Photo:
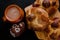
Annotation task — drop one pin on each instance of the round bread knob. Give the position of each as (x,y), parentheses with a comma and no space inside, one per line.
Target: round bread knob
(46,3)
(13,13)
(55,24)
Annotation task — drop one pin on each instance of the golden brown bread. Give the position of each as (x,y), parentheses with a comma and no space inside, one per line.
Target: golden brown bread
(37,18)
(51,32)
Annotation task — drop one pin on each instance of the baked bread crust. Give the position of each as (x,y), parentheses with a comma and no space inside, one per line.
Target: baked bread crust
(37,18)
(51,32)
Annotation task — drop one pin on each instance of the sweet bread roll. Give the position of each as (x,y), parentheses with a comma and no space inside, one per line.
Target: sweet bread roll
(43,32)
(37,18)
